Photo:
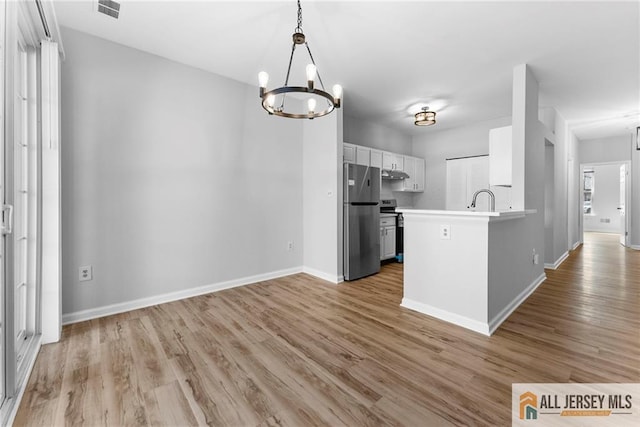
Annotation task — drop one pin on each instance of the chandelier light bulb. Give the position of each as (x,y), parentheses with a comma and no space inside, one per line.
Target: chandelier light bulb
(311,75)
(263,79)
(337,91)
(311,103)
(311,72)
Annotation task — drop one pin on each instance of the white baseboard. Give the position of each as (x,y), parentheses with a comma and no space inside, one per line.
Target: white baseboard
(575,245)
(447,316)
(635,247)
(333,278)
(510,308)
(107,310)
(475,325)
(559,261)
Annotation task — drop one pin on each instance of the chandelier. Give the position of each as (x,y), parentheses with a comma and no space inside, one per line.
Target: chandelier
(425,117)
(273,101)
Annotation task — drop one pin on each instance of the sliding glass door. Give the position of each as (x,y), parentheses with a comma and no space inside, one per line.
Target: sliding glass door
(23,229)
(19,195)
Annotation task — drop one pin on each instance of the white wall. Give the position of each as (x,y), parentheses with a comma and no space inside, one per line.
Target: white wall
(172,177)
(322,198)
(603,150)
(560,205)
(512,273)
(436,147)
(549,203)
(605,200)
(635,196)
(574,208)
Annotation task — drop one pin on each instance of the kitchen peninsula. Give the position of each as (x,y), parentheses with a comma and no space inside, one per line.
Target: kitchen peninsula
(461,267)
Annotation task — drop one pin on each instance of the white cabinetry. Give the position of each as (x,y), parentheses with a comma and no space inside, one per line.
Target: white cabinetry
(387,237)
(375,158)
(348,153)
(415,168)
(357,154)
(392,161)
(500,161)
(362,155)
(419,174)
(464,177)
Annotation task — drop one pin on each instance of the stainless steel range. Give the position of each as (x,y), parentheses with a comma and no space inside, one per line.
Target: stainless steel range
(388,206)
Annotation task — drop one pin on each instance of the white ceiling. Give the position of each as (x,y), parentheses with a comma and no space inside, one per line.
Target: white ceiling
(456,56)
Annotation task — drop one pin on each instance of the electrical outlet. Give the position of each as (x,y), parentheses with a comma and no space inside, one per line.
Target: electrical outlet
(85,273)
(289,246)
(535,258)
(445,232)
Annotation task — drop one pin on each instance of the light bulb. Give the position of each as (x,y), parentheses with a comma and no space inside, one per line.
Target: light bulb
(311,72)
(263,79)
(311,103)
(270,100)
(337,91)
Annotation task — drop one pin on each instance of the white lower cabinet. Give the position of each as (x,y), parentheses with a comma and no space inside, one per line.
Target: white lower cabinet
(387,238)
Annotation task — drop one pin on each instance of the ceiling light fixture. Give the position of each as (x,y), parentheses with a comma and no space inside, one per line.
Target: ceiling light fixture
(425,117)
(270,97)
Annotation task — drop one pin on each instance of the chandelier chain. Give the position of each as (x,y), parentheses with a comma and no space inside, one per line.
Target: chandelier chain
(299,27)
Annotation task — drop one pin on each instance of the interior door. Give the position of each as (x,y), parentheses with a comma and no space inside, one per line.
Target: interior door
(622,205)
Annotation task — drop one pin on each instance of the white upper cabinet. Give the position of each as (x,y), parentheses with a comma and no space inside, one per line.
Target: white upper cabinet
(409,165)
(419,174)
(392,161)
(415,168)
(500,161)
(362,155)
(375,158)
(348,153)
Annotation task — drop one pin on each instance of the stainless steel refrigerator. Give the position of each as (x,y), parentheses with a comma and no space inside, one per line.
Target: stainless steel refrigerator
(361,221)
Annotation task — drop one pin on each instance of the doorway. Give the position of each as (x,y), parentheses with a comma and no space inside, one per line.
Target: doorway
(605,194)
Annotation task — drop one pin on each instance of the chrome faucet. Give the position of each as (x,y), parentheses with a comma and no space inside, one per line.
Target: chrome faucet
(492,199)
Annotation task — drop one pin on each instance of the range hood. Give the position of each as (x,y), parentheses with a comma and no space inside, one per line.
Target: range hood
(391,174)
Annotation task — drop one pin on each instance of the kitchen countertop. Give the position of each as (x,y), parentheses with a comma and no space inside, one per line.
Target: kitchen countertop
(499,214)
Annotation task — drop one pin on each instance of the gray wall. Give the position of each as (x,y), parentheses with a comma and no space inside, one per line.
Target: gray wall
(602,150)
(374,135)
(172,177)
(436,147)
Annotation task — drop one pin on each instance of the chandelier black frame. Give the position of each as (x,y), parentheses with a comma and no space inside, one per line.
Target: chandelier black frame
(269,97)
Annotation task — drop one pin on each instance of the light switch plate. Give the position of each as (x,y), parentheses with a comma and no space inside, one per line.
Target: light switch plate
(445,232)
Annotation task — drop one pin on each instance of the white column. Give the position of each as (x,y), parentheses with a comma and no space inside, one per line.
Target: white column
(51,262)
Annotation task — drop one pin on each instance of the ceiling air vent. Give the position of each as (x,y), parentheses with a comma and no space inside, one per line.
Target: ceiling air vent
(109,8)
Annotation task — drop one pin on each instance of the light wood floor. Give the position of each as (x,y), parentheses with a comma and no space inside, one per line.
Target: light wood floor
(297,351)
